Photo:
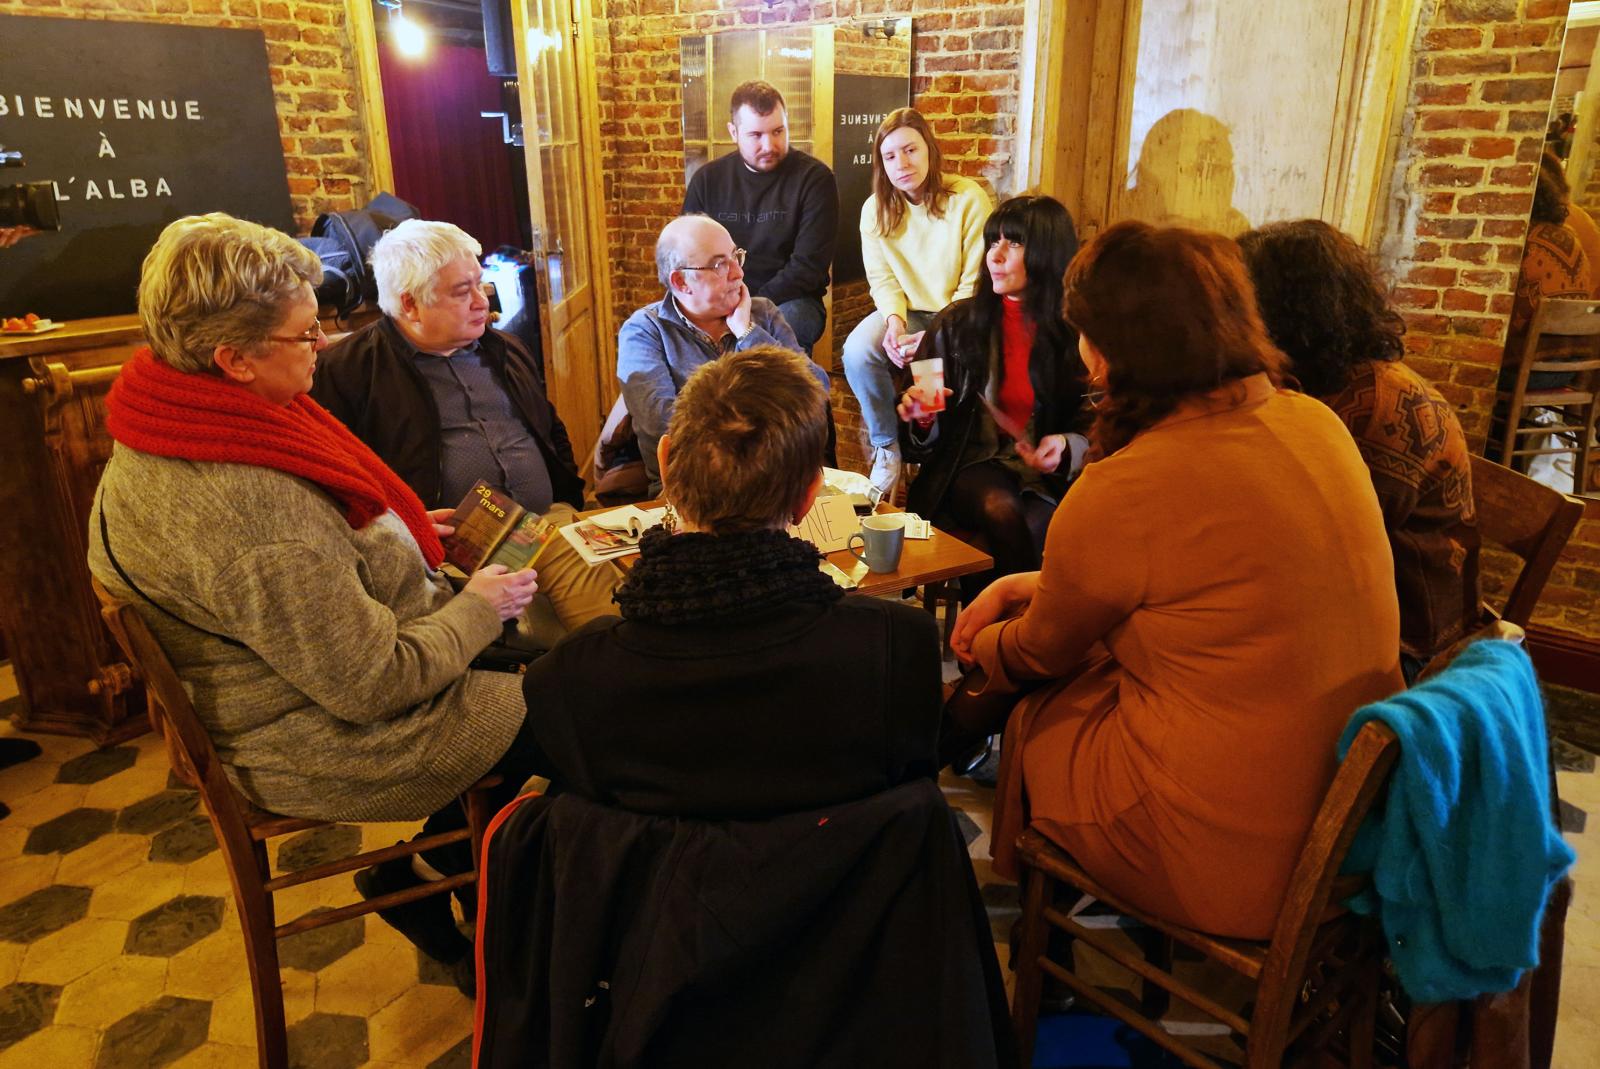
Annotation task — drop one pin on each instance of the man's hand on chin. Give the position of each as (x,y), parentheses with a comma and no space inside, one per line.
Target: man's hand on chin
(739,320)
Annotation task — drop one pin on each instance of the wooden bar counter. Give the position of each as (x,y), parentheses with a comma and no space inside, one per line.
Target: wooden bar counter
(53,446)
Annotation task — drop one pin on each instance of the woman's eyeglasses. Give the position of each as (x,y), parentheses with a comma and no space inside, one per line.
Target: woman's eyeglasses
(310,337)
(721,265)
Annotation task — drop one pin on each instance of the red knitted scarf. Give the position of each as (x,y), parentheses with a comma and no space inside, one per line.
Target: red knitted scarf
(157,409)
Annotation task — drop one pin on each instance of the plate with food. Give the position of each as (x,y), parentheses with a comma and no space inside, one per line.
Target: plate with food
(28,324)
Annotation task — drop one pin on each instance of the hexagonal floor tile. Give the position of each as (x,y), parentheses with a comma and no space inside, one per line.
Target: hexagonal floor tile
(159,1033)
(51,909)
(317,846)
(457,1057)
(136,891)
(111,991)
(328,1041)
(321,947)
(61,957)
(420,1025)
(72,829)
(187,840)
(157,812)
(104,859)
(24,1009)
(366,980)
(96,765)
(173,925)
(57,1045)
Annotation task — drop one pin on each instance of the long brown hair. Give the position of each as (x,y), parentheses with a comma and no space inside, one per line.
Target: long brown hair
(1173,313)
(933,192)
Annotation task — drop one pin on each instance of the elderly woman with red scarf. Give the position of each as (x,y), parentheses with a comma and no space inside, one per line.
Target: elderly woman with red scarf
(289,575)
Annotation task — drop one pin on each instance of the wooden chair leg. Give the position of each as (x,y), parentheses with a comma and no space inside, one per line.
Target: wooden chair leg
(256,918)
(1029,987)
(1154,1000)
(1362,1033)
(476,803)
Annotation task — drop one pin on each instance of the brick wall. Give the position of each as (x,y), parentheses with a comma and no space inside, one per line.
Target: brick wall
(1478,105)
(313,79)
(964,79)
(1484,71)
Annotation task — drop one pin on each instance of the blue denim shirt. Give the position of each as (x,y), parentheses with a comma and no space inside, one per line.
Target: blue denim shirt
(658,349)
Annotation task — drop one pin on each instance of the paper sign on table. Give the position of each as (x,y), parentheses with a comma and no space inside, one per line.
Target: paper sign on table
(829,524)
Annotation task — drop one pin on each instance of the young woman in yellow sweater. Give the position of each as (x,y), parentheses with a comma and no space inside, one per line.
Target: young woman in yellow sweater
(922,245)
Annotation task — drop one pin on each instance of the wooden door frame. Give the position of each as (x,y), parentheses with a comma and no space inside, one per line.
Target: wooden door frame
(1077,69)
(369,96)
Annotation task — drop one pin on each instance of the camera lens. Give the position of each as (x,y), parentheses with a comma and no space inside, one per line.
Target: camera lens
(29,204)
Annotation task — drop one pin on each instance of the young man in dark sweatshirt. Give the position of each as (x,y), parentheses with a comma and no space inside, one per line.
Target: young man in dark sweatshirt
(781,206)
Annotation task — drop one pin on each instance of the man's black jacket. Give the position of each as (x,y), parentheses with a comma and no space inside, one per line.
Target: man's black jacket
(369,382)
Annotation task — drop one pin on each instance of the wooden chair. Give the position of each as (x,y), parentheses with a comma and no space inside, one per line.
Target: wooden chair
(1312,979)
(1528,519)
(242,830)
(1576,405)
(1316,976)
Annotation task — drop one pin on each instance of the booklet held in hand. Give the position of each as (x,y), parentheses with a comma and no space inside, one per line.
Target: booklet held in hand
(491,528)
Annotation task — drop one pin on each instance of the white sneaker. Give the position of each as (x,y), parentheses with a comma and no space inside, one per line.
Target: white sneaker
(885,468)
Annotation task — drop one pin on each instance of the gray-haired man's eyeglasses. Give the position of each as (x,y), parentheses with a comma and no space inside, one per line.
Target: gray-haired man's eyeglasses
(721,265)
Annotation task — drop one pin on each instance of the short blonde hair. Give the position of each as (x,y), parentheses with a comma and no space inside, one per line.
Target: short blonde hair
(748,432)
(213,280)
(408,259)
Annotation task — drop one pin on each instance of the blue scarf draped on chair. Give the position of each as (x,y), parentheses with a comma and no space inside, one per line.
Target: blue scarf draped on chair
(1464,853)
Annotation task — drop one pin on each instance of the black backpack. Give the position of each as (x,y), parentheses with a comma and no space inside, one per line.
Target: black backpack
(343,240)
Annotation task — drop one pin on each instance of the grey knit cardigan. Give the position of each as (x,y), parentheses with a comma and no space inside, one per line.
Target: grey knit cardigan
(350,697)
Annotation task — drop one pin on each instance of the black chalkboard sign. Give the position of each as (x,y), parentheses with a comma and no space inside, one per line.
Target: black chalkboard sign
(137,125)
(860,101)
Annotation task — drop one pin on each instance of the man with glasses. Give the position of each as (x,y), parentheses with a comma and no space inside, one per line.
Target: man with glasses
(779,203)
(445,400)
(707,311)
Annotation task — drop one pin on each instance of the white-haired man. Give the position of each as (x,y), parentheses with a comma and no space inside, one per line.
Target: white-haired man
(445,401)
(707,311)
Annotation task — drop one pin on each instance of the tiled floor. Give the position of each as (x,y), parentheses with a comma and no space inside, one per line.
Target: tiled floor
(120,948)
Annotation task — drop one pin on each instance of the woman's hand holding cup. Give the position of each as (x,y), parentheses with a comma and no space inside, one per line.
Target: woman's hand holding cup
(921,406)
(508,593)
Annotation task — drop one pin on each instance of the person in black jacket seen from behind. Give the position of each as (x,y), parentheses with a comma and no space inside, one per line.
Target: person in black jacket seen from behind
(739,681)
(1006,345)
(780,204)
(445,400)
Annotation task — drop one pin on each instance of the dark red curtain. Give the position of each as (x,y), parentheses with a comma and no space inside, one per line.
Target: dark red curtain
(450,162)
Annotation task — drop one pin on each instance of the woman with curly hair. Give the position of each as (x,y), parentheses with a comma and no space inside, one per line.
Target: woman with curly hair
(1324,305)
(1216,599)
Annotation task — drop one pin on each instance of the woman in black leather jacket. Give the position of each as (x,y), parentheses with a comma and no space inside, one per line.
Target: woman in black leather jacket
(1008,347)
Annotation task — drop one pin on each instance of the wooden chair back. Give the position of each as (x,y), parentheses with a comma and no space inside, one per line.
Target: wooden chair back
(242,831)
(189,747)
(1556,317)
(1280,968)
(1559,317)
(1527,519)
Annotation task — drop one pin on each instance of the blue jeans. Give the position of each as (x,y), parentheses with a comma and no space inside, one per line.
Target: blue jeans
(871,375)
(806,317)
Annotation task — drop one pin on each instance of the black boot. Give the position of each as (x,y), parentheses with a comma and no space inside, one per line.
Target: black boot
(427,922)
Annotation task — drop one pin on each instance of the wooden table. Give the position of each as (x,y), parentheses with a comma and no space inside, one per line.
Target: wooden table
(923,561)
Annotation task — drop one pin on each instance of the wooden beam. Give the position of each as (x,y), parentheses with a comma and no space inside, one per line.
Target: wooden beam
(369,97)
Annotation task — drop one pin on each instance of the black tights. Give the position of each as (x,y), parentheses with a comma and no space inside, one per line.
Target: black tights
(987,499)
(969,719)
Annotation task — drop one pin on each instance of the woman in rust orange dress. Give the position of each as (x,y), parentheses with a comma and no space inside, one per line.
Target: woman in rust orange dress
(1217,597)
